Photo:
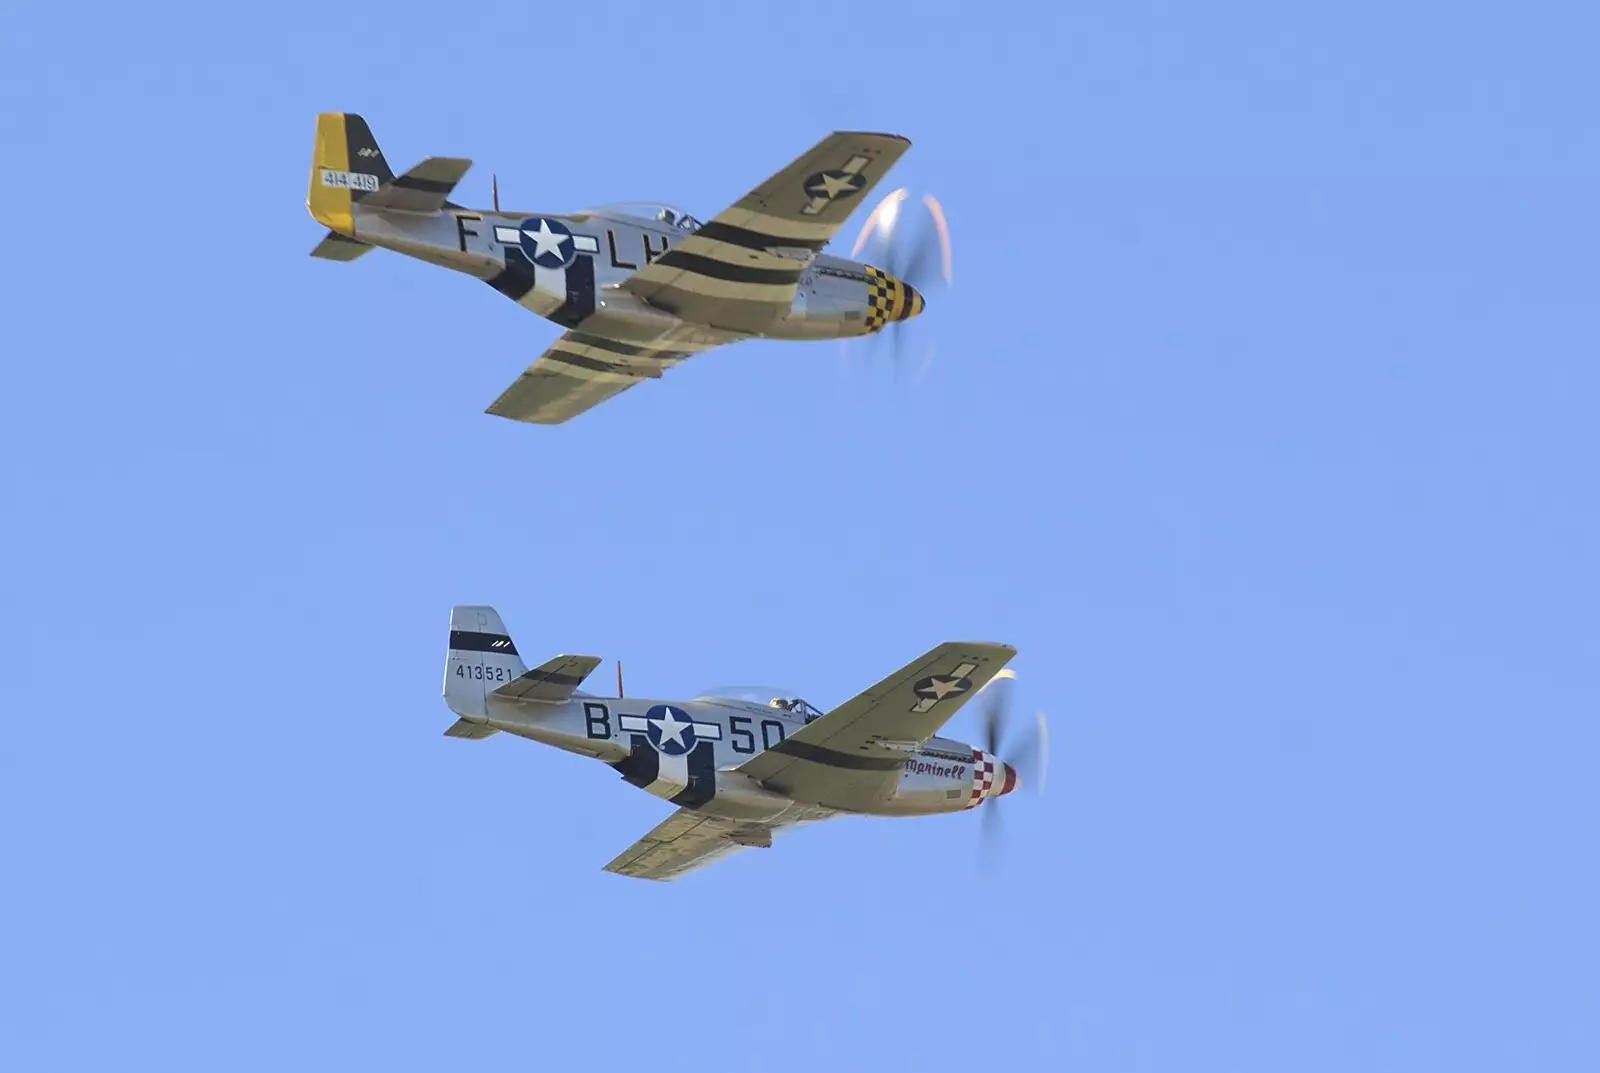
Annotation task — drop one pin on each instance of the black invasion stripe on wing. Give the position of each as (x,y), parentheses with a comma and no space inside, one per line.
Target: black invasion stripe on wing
(426,186)
(627,350)
(554,678)
(755,240)
(715,269)
(583,361)
(821,754)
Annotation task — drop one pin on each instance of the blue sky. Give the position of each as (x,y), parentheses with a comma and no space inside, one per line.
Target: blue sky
(1262,422)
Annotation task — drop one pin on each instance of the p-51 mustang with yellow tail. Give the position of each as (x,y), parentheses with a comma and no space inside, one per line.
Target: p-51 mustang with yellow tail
(741,764)
(638,289)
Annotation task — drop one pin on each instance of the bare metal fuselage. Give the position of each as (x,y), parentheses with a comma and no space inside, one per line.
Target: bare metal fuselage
(938,776)
(830,302)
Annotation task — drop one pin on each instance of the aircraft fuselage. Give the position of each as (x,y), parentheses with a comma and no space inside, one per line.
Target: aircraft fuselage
(579,284)
(687,752)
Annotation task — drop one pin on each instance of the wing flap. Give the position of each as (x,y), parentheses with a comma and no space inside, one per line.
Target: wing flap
(422,189)
(684,842)
(854,755)
(580,370)
(739,271)
(551,682)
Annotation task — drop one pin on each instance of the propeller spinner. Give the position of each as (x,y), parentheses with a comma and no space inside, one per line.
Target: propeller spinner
(914,260)
(1032,752)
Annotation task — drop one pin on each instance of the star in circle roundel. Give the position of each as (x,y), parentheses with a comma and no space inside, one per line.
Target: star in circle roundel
(834,183)
(547,243)
(671,730)
(939,686)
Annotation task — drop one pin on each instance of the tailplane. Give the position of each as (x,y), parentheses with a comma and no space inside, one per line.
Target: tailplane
(484,663)
(348,169)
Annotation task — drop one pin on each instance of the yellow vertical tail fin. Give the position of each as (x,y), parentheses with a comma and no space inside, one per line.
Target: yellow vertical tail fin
(346,166)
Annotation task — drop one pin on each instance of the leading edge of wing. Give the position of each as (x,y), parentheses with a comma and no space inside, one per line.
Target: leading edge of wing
(740,270)
(854,754)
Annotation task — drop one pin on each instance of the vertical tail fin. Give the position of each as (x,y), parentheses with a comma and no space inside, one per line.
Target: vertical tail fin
(346,166)
(482,658)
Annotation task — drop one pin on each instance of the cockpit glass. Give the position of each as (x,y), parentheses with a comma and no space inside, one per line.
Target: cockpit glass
(766,696)
(655,211)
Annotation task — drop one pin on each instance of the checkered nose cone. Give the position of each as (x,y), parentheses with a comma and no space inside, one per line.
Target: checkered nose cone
(890,299)
(914,302)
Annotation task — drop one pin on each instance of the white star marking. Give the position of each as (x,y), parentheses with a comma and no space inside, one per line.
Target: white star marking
(833,185)
(942,689)
(672,728)
(545,240)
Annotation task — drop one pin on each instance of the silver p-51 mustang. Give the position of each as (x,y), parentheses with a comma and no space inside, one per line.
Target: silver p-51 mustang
(637,289)
(739,769)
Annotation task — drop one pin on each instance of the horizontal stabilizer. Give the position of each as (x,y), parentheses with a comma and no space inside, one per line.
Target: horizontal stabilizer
(422,189)
(551,682)
(471,731)
(337,247)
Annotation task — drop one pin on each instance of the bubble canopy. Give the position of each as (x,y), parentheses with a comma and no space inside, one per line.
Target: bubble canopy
(759,696)
(658,211)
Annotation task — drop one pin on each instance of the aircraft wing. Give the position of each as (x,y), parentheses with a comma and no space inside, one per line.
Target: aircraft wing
(579,372)
(854,755)
(685,841)
(740,270)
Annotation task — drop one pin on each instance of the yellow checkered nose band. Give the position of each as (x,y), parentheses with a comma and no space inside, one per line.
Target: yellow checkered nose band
(889,299)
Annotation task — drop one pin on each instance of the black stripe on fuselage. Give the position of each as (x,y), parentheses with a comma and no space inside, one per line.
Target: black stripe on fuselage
(702,778)
(715,269)
(755,240)
(472,641)
(821,754)
(517,279)
(580,302)
(513,284)
(642,765)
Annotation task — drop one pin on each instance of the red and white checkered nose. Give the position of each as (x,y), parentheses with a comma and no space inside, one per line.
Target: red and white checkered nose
(991,777)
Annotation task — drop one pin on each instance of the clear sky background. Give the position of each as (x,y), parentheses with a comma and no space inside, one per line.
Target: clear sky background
(1262,422)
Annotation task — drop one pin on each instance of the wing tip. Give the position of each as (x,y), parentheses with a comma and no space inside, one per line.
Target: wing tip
(872,134)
